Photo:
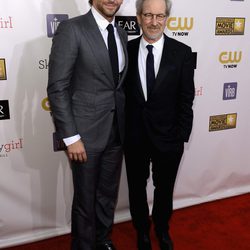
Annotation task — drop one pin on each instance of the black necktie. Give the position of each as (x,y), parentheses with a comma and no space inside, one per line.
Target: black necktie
(150,71)
(113,53)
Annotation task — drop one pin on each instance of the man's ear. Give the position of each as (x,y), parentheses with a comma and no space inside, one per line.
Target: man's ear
(138,19)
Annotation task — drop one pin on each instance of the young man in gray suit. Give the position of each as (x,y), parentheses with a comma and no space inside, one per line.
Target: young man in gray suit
(160,93)
(87,67)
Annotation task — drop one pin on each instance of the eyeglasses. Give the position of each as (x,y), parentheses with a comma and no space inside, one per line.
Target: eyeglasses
(150,16)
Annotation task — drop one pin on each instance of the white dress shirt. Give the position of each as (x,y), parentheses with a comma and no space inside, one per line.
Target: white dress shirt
(102,24)
(143,52)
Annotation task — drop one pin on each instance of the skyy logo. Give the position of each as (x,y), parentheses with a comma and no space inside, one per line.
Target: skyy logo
(230,91)
(53,20)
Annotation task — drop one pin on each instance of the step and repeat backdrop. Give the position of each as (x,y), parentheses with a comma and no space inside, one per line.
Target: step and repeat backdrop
(35,180)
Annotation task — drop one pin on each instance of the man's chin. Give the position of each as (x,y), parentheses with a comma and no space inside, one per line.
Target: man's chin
(154,37)
(110,12)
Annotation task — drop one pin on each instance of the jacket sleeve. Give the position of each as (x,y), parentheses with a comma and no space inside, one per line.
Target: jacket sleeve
(62,58)
(187,91)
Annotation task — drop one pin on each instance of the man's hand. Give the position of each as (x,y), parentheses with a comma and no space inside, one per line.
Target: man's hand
(77,152)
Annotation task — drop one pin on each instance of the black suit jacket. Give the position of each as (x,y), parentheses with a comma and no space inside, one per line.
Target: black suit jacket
(81,89)
(166,117)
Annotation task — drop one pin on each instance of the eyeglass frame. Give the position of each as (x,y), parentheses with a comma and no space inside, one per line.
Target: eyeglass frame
(150,16)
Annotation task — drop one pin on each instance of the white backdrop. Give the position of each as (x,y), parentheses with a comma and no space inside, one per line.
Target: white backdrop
(35,182)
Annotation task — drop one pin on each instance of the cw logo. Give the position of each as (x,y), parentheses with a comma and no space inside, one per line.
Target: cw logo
(180,23)
(45,104)
(230,57)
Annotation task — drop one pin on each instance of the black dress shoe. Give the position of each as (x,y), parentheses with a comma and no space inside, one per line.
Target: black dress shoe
(165,241)
(105,246)
(143,241)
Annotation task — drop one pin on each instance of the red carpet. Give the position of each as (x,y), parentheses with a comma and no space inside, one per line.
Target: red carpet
(217,225)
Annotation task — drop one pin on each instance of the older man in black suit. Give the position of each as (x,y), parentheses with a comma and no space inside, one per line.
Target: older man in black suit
(88,63)
(160,93)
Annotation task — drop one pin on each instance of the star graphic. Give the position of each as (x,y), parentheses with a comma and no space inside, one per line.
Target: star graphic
(239,24)
(231,119)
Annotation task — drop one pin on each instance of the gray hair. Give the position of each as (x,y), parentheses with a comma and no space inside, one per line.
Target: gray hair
(139,6)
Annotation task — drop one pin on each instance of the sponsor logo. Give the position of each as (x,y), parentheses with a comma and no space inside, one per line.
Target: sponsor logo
(43,64)
(53,20)
(230,26)
(4,110)
(58,145)
(194,59)
(6,148)
(222,122)
(180,26)
(230,91)
(230,59)
(199,91)
(129,24)
(45,104)
(3,75)
(6,23)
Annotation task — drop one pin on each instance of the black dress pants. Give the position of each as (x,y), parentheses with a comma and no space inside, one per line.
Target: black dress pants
(96,185)
(165,165)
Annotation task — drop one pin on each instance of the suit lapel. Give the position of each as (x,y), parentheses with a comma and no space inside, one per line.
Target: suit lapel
(166,64)
(124,46)
(97,44)
(134,67)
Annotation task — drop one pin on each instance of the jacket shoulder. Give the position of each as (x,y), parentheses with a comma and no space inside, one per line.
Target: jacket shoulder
(134,43)
(176,44)
(78,20)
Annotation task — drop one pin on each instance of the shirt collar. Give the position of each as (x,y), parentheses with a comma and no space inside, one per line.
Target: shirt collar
(157,45)
(101,21)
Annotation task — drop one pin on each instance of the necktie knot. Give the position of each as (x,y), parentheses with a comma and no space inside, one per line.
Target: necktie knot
(110,28)
(150,48)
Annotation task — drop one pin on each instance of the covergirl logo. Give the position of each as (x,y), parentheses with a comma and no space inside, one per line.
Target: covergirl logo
(6,22)
(10,146)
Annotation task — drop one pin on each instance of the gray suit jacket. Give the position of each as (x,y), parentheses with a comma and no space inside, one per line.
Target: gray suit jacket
(81,90)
